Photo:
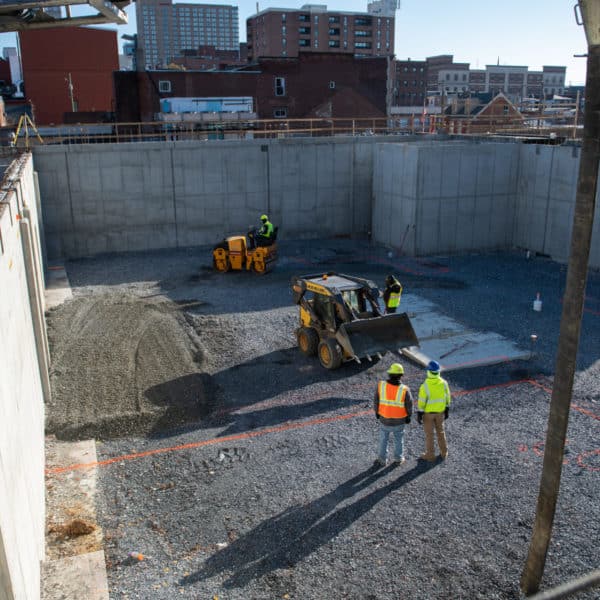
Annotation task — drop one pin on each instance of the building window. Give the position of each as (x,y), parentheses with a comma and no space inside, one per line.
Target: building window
(334,19)
(362,44)
(283,17)
(362,33)
(334,43)
(304,43)
(279,86)
(334,31)
(280,113)
(505,109)
(332,85)
(304,30)
(304,18)
(164,87)
(362,21)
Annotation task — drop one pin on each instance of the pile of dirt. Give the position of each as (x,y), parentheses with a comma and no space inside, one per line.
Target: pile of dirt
(74,528)
(122,364)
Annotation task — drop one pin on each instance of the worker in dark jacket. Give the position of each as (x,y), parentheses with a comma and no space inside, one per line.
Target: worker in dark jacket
(391,294)
(393,409)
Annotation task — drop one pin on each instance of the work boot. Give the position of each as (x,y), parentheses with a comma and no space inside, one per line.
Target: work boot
(379,463)
(444,455)
(427,457)
(399,461)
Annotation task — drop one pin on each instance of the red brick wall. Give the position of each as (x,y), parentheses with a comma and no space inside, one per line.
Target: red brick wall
(358,89)
(49,55)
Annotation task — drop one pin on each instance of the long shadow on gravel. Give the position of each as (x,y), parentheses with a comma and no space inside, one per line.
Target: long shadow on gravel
(277,415)
(284,540)
(277,373)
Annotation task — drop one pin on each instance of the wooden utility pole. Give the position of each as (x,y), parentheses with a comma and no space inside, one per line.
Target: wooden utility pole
(570,324)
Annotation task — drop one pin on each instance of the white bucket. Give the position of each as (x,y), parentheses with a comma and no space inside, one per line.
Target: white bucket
(537,303)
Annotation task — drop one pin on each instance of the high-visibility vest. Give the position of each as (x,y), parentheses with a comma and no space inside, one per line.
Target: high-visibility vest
(434,395)
(267,229)
(394,300)
(391,401)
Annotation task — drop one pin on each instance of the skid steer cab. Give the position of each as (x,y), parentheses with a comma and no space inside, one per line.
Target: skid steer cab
(341,320)
(242,252)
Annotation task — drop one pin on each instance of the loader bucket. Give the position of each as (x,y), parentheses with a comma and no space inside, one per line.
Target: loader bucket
(368,337)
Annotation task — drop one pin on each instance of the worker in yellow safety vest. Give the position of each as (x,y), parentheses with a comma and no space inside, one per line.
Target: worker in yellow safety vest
(392,294)
(433,410)
(393,409)
(264,236)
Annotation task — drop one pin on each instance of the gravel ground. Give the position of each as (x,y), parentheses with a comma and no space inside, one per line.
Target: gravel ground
(258,481)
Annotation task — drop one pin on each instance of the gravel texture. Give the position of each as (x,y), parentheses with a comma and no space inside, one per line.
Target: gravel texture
(258,483)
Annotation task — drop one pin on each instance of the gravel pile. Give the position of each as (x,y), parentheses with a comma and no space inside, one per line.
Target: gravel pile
(265,487)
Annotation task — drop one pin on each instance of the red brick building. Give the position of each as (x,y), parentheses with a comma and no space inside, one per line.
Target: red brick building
(482,114)
(410,83)
(311,85)
(49,56)
(286,33)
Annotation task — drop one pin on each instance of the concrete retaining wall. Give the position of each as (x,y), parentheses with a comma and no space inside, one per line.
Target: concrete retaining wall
(458,197)
(118,197)
(546,190)
(445,197)
(22,511)
(422,197)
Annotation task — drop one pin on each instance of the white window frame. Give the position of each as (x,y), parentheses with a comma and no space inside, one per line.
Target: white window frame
(279,85)
(164,86)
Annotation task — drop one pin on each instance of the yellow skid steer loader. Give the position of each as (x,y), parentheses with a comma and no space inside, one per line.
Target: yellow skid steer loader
(341,320)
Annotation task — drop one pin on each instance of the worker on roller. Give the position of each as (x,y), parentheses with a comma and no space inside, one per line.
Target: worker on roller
(433,410)
(391,294)
(393,409)
(264,236)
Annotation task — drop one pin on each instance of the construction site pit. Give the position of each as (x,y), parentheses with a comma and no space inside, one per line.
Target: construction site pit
(229,465)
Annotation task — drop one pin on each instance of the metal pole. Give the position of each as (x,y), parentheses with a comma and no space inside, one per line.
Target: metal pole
(576,116)
(570,327)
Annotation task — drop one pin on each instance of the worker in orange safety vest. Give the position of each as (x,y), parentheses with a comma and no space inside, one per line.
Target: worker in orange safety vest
(393,409)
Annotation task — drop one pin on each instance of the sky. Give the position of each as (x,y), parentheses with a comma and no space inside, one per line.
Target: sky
(530,33)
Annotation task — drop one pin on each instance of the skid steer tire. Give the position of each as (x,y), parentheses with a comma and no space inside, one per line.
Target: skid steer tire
(330,354)
(308,340)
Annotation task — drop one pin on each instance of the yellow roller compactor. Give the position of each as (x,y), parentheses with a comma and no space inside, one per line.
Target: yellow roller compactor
(237,253)
(341,320)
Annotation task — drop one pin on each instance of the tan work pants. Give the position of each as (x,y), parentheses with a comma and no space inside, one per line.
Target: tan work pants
(431,420)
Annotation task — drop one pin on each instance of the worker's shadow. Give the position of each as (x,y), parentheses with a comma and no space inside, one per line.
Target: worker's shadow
(291,536)
(200,400)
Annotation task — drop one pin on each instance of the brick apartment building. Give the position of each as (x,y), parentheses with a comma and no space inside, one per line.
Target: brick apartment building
(310,85)
(312,28)
(51,57)
(409,86)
